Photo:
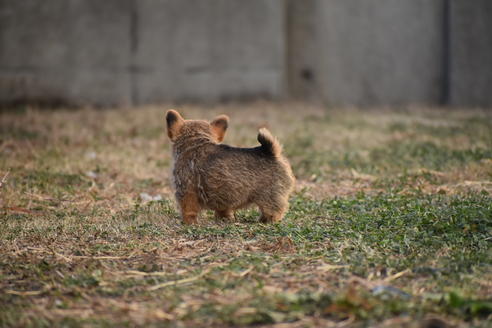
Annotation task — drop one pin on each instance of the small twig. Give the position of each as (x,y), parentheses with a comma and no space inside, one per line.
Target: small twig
(90,257)
(245,272)
(329,267)
(4,179)
(71,257)
(26,293)
(100,257)
(18,210)
(145,274)
(178,282)
(397,275)
(62,256)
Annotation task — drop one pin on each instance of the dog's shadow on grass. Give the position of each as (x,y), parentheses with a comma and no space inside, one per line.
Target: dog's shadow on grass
(244,216)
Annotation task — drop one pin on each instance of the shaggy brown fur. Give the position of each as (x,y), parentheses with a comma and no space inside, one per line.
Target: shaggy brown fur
(209,175)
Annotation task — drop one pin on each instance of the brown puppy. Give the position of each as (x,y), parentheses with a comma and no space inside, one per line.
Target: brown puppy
(209,175)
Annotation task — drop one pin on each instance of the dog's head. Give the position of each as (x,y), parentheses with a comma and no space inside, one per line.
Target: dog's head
(177,127)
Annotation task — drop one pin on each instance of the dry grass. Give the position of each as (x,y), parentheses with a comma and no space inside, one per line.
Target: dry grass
(390,224)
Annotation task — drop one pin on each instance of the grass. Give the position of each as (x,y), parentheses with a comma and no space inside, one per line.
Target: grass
(390,224)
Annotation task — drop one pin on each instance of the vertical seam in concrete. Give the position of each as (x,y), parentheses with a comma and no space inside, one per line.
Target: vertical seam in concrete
(288,55)
(285,92)
(446,53)
(133,51)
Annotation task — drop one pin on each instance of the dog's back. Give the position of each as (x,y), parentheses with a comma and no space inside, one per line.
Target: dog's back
(233,177)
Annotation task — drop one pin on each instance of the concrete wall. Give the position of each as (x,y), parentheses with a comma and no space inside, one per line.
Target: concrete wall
(303,50)
(216,49)
(115,52)
(342,52)
(75,51)
(368,52)
(471,53)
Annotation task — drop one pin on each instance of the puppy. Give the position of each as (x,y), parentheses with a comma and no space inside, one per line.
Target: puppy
(210,175)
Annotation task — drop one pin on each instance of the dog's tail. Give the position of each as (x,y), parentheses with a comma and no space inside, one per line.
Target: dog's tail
(269,143)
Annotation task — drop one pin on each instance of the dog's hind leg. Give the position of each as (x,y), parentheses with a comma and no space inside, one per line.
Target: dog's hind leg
(189,208)
(273,210)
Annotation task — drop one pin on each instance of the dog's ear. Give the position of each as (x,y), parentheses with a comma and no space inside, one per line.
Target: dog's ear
(219,126)
(174,123)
